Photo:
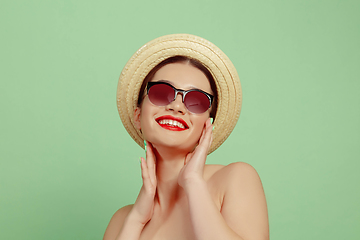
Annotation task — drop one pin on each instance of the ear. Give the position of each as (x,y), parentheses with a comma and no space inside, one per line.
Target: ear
(137,114)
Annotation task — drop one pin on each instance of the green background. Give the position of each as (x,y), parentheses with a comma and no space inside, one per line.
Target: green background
(67,164)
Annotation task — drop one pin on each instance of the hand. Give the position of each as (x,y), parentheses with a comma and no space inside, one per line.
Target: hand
(143,208)
(195,161)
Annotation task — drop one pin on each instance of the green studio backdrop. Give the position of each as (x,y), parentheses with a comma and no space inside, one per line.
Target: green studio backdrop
(67,164)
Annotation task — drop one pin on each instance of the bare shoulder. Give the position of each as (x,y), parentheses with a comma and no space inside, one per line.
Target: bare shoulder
(244,204)
(237,171)
(116,222)
(238,179)
(241,170)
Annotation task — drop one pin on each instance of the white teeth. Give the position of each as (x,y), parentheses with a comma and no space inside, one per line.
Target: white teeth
(172,123)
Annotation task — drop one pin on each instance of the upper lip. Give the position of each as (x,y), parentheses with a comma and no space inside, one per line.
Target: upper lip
(172,118)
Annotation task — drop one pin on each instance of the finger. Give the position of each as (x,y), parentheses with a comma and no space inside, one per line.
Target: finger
(205,140)
(188,157)
(147,184)
(202,134)
(207,127)
(150,157)
(144,171)
(211,140)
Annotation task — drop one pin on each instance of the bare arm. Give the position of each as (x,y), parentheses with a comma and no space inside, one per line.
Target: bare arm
(244,207)
(244,213)
(128,222)
(116,222)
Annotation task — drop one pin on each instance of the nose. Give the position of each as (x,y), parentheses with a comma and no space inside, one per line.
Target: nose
(177,105)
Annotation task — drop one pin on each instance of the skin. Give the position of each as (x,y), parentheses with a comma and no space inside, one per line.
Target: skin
(181,196)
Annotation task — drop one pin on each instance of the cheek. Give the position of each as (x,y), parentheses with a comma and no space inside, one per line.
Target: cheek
(198,125)
(147,119)
(144,117)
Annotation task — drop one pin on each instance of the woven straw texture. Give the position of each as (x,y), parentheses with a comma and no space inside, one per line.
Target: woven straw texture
(159,49)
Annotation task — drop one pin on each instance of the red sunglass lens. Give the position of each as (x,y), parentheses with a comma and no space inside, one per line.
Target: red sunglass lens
(161,94)
(196,102)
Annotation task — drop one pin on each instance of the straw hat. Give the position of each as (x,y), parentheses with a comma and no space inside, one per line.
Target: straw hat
(152,53)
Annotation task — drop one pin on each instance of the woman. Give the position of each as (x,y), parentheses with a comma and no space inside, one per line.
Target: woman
(166,95)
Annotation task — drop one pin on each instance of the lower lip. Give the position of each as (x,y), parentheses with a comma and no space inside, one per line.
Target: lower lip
(171,128)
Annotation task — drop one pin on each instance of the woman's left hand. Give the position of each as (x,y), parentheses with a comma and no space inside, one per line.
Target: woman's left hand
(195,161)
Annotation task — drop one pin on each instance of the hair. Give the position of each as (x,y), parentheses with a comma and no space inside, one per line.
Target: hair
(182,59)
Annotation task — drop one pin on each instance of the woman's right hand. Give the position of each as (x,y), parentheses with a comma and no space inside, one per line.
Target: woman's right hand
(143,208)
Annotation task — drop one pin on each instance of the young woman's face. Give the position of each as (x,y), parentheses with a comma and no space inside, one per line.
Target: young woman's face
(160,124)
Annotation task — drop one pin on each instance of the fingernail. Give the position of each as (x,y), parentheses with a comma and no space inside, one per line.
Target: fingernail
(140,160)
(145,145)
(213,128)
(211,120)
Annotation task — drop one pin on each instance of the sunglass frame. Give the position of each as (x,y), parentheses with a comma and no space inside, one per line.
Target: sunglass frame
(177,91)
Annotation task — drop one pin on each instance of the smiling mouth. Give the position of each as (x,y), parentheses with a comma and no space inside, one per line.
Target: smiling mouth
(170,123)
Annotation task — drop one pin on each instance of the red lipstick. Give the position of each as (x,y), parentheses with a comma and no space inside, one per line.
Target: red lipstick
(172,127)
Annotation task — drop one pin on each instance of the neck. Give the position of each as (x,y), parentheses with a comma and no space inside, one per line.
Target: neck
(168,165)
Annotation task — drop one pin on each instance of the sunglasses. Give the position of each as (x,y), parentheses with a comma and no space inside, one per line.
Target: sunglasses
(195,100)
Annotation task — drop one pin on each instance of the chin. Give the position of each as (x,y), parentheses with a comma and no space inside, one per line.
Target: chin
(173,145)
(182,141)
